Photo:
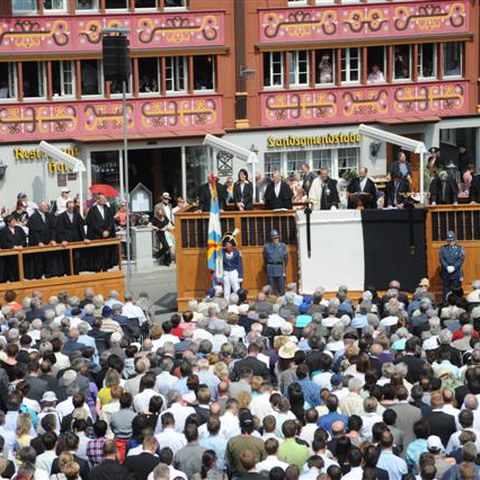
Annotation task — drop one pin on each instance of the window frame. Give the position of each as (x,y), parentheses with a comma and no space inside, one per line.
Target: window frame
(42,75)
(462,60)
(272,74)
(100,78)
(348,70)
(25,12)
(87,10)
(182,7)
(12,83)
(117,9)
(54,11)
(148,9)
(63,95)
(410,67)
(295,72)
(317,67)
(385,66)
(159,77)
(129,85)
(214,76)
(420,62)
(175,74)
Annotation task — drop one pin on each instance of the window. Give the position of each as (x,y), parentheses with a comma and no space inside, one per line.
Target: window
(453,60)
(348,159)
(350,65)
(116,86)
(87,4)
(427,61)
(106,168)
(321,159)
(197,162)
(34,80)
(295,160)
(376,64)
(54,5)
(146,4)
(176,74)
(24,6)
(92,79)
(273,69)
(175,3)
(8,88)
(325,67)
(272,163)
(402,63)
(299,67)
(148,75)
(116,4)
(204,72)
(63,78)
(294,3)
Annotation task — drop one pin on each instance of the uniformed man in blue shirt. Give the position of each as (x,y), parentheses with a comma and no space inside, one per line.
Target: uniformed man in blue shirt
(275,256)
(452,257)
(232,265)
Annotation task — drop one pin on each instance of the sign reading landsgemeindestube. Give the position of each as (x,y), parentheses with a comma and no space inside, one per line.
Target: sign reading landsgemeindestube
(313,140)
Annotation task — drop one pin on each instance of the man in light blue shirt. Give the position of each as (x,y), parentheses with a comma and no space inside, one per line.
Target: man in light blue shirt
(215,441)
(395,466)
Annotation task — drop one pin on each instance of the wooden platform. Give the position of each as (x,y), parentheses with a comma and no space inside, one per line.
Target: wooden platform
(254,226)
(102,282)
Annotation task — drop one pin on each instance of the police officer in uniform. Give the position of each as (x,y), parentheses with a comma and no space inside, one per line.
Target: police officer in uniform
(232,264)
(275,256)
(452,257)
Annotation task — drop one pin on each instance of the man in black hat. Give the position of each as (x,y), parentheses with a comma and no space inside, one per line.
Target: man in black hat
(434,161)
(464,158)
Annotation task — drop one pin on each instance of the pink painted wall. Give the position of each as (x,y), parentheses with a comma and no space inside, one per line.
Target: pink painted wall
(62,120)
(344,22)
(364,103)
(83,32)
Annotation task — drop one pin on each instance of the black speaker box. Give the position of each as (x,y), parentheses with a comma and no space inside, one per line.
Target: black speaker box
(116,58)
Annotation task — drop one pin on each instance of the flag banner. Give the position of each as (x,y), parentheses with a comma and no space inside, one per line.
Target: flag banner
(214,252)
(362,247)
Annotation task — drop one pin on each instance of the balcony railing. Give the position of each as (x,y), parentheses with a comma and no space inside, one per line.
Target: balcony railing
(148,117)
(348,22)
(23,35)
(364,103)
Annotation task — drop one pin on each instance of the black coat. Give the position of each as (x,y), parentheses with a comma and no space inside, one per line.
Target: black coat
(284,199)
(141,465)
(395,169)
(37,387)
(68,231)
(403,187)
(205,196)
(251,363)
(441,424)
(96,224)
(370,188)
(84,468)
(109,470)
(464,160)
(246,197)
(40,231)
(441,197)
(10,240)
(475,189)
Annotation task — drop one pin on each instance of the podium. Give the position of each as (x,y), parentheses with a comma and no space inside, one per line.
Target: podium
(359,199)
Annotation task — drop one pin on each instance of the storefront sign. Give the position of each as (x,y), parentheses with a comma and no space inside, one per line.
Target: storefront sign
(32,154)
(330,139)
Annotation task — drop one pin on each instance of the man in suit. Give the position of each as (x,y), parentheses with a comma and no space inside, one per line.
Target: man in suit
(407,414)
(251,362)
(41,232)
(363,184)
(205,194)
(140,466)
(100,226)
(278,194)
(443,190)
(416,365)
(401,168)
(323,193)
(12,236)
(441,424)
(70,228)
(395,189)
(38,386)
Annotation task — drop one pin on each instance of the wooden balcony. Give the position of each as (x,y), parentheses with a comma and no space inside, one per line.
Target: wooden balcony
(336,23)
(81,34)
(103,119)
(74,284)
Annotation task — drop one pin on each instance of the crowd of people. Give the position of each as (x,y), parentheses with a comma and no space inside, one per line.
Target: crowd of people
(287,387)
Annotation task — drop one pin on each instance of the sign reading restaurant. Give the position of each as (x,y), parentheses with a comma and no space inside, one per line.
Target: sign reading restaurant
(330,139)
(32,154)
